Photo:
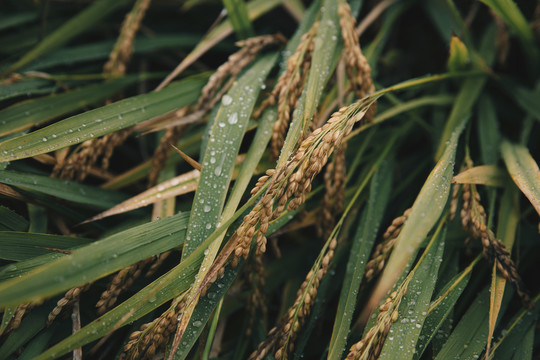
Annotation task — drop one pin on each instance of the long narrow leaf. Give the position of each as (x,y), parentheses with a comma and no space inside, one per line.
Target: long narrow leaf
(465,99)
(9,220)
(63,189)
(506,231)
(489,175)
(219,158)
(95,261)
(179,185)
(441,307)
(469,338)
(358,258)
(508,10)
(102,121)
(30,113)
(21,246)
(218,163)
(514,335)
(27,88)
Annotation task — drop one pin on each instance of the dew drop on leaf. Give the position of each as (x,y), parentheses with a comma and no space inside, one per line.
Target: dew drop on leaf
(233,118)
(226,100)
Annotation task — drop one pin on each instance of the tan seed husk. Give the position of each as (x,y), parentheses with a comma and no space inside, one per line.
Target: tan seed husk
(473,220)
(17,318)
(289,87)
(153,336)
(120,282)
(371,345)
(123,49)
(79,163)
(283,335)
(383,250)
(289,184)
(68,299)
(356,65)
(334,195)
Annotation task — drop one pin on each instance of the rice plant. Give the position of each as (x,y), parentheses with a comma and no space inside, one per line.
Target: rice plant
(269,179)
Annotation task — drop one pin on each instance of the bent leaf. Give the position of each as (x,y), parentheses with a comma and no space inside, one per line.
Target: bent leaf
(523,170)
(179,185)
(489,175)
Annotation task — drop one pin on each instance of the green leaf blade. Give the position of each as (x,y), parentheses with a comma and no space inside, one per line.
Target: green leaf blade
(21,246)
(63,189)
(102,121)
(358,258)
(94,261)
(218,162)
(30,113)
(238,15)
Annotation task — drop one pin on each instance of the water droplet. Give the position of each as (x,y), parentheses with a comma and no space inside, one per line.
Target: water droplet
(44,139)
(207,208)
(208,226)
(197,323)
(233,118)
(226,100)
